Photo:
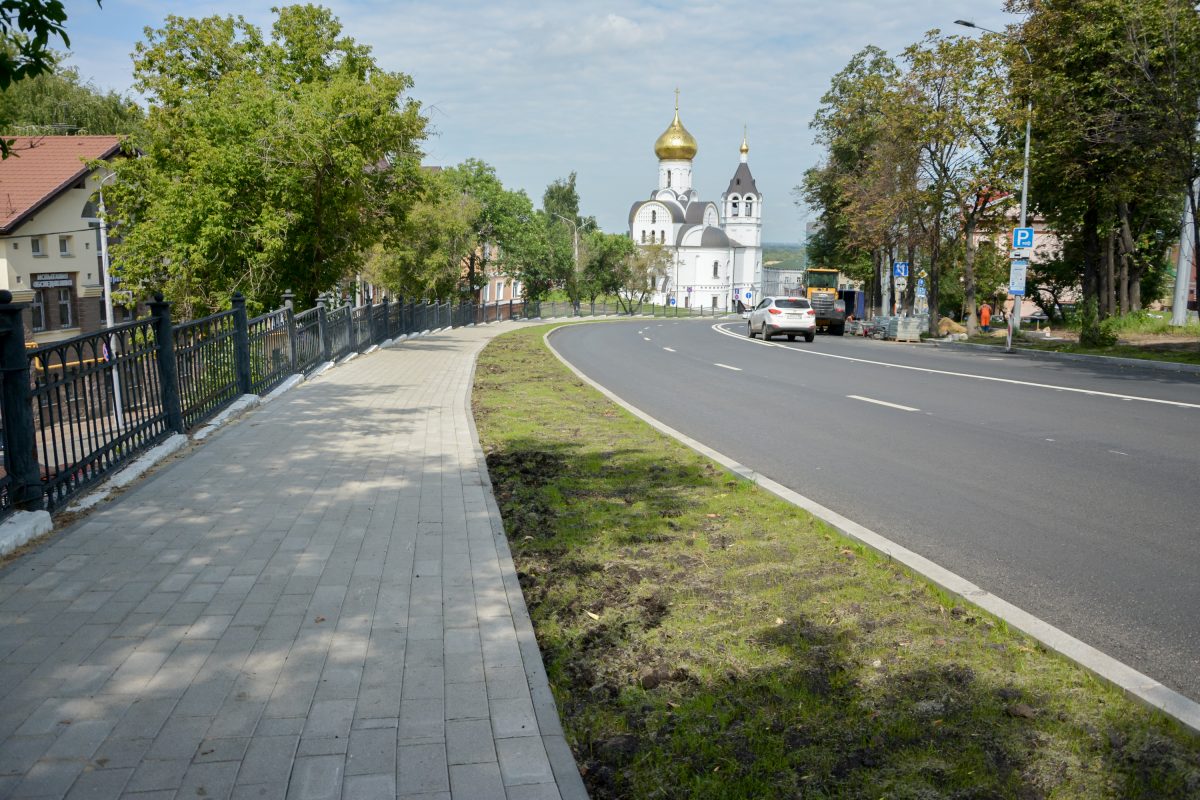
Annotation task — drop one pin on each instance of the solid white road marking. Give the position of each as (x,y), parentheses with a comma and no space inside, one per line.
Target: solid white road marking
(882,403)
(726,366)
(669,349)
(953,374)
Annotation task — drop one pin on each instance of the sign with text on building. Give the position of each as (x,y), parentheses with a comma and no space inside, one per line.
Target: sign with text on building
(1016,278)
(51,280)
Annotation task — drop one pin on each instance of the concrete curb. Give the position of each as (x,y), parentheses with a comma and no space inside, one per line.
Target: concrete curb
(21,527)
(1141,687)
(562,760)
(1111,361)
(137,469)
(236,409)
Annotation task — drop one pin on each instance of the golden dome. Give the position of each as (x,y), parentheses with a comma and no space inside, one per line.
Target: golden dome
(745,148)
(675,144)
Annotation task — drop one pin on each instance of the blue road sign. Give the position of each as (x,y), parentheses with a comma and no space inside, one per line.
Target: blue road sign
(1022,238)
(900,269)
(920,283)
(749,295)
(920,291)
(672,301)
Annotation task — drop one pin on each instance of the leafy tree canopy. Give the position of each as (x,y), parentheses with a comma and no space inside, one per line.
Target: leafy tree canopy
(269,163)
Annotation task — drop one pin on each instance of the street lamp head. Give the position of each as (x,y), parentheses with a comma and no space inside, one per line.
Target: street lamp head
(966,23)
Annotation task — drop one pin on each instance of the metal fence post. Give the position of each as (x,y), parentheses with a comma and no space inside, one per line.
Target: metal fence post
(168,374)
(20,457)
(289,303)
(323,330)
(350,337)
(241,342)
(387,323)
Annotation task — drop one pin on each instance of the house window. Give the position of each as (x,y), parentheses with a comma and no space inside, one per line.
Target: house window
(735,208)
(653,217)
(716,267)
(37,309)
(487,292)
(35,246)
(64,246)
(64,308)
(749,207)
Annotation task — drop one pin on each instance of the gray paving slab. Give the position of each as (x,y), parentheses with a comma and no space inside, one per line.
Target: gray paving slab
(318,601)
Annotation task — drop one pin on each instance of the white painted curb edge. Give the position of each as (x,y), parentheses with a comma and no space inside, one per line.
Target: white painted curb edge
(22,526)
(235,409)
(1142,687)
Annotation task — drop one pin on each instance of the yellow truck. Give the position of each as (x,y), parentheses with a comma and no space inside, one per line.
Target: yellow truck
(821,289)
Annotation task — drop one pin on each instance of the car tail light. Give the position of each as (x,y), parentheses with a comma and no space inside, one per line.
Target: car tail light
(774,310)
(810,313)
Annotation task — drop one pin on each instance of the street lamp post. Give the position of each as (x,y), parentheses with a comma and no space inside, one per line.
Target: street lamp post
(575,240)
(108,304)
(1015,317)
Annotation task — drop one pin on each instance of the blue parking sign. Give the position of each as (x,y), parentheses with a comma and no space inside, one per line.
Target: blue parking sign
(1022,238)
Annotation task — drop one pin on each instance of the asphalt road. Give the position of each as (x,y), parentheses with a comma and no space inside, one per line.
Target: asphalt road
(1069,489)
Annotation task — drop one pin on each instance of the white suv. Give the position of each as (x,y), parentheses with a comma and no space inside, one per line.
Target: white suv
(790,315)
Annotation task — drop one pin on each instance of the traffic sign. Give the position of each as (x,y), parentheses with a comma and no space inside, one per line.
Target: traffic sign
(920,283)
(900,269)
(901,284)
(1019,254)
(672,301)
(920,291)
(1016,278)
(749,295)
(1022,238)
(922,274)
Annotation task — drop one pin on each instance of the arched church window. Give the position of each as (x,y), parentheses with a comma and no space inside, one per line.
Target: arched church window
(662,236)
(653,217)
(668,179)
(749,207)
(643,237)
(734,205)
(716,268)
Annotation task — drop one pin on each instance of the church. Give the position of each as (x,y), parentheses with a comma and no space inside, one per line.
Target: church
(716,249)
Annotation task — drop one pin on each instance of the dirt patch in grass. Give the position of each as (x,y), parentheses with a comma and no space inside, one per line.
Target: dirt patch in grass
(705,639)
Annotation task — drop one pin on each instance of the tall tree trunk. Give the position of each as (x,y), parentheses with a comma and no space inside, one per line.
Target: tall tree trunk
(1107,273)
(1091,254)
(1131,273)
(969,277)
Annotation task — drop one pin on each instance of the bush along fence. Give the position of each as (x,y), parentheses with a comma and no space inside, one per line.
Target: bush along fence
(75,411)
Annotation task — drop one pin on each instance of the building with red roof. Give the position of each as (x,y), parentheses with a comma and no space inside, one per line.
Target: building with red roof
(50,232)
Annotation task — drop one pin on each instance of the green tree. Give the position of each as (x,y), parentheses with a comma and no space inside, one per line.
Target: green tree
(500,215)
(61,101)
(268,163)
(603,256)
(639,272)
(26,30)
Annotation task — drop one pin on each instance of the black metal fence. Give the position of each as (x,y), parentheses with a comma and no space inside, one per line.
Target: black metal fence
(74,411)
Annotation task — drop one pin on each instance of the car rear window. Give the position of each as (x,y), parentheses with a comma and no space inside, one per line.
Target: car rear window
(791,302)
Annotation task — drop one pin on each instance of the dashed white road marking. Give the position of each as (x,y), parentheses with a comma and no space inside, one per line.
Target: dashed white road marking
(1118,453)
(951,373)
(647,338)
(726,366)
(881,403)
(669,349)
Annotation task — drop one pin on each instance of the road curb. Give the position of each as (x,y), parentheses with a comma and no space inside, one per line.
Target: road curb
(1136,685)
(1111,361)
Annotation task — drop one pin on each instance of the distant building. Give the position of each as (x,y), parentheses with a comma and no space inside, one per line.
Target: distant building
(50,233)
(716,249)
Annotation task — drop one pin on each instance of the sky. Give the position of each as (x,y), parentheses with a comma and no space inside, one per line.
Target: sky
(542,88)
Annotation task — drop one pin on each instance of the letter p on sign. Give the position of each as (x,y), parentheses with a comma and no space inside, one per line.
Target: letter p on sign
(1022,238)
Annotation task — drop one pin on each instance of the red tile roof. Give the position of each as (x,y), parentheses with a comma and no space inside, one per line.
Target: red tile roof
(41,167)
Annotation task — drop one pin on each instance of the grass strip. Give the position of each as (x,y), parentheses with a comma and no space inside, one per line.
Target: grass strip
(705,639)
(1184,352)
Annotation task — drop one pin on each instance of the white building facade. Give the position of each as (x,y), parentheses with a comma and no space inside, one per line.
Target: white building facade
(716,249)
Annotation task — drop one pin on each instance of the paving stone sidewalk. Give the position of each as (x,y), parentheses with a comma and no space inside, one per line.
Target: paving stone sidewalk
(317,602)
